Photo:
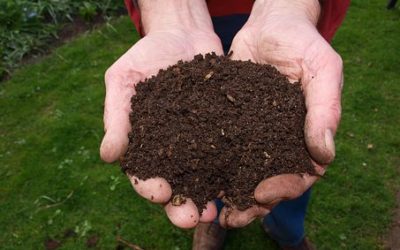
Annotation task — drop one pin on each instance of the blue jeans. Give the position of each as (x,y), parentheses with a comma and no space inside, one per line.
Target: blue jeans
(286,221)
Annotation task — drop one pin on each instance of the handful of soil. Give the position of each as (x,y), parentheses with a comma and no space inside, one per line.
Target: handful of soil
(212,125)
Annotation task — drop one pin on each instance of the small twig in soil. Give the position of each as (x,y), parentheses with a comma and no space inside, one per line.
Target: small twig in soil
(230,98)
(209,75)
(128,244)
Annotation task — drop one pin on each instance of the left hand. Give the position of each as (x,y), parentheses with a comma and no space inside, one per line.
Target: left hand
(175,30)
(283,33)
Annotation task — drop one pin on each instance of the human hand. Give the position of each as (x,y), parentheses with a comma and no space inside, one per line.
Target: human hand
(283,33)
(175,30)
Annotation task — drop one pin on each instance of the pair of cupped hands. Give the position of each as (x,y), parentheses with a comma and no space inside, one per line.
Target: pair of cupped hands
(284,36)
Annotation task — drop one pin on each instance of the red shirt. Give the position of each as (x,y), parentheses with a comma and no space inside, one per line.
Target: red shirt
(332,13)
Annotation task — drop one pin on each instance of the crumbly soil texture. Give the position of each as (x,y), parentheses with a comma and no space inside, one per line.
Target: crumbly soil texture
(214,124)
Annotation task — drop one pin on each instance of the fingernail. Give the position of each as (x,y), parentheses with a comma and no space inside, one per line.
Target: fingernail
(329,145)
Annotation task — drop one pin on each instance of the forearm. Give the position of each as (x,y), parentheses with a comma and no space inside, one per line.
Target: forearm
(305,10)
(160,15)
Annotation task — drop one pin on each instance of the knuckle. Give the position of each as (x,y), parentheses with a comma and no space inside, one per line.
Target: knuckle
(261,211)
(293,190)
(232,222)
(336,111)
(330,111)
(336,60)
(110,75)
(126,78)
(233,219)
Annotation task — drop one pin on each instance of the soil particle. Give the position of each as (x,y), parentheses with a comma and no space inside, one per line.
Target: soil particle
(212,125)
(178,200)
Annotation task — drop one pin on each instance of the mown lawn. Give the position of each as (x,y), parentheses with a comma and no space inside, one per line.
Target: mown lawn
(52,180)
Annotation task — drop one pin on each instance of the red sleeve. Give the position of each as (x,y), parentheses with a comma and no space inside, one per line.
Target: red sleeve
(332,13)
(134,13)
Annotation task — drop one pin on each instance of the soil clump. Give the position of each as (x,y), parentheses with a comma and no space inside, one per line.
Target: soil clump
(214,124)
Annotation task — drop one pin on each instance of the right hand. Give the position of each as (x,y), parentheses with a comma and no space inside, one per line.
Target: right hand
(284,34)
(157,50)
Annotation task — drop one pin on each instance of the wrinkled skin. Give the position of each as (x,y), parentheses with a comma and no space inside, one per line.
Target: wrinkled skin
(299,52)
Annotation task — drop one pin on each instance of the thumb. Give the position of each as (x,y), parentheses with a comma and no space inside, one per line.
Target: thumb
(323,96)
(119,90)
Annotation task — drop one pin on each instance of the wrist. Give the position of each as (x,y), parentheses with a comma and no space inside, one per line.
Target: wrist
(164,15)
(302,10)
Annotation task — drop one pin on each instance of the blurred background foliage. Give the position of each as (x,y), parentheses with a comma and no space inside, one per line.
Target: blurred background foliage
(27,27)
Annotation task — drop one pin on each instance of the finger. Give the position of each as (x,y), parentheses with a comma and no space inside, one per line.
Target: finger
(235,218)
(209,213)
(184,215)
(322,89)
(283,187)
(119,90)
(156,190)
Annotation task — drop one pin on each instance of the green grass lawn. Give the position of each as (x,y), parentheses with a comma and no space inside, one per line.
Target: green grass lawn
(52,180)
